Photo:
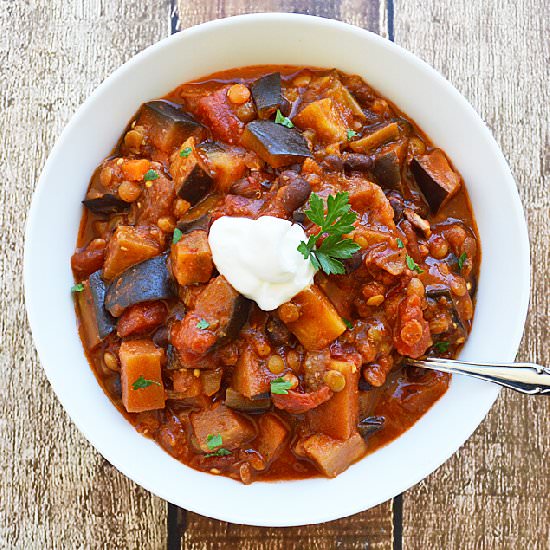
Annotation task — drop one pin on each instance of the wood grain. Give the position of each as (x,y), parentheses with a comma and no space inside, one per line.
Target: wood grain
(374,528)
(494,492)
(55,490)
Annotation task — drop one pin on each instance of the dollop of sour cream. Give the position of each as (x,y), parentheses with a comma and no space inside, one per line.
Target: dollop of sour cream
(260,259)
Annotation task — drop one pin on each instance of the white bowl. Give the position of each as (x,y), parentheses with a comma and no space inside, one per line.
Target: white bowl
(422,94)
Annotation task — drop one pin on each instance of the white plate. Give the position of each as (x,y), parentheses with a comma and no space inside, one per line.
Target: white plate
(422,94)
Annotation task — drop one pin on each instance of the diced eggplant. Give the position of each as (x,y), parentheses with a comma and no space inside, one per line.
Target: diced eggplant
(167,124)
(333,456)
(251,376)
(198,224)
(196,185)
(275,144)
(143,282)
(226,163)
(191,259)
(268,95)
(370,425)
(234,428)
(219,313)
(435,178)
(237,401)
(378,136)
(105,322)
(271,439)
(387,170)
(172,359)
(438,291)
(107,204)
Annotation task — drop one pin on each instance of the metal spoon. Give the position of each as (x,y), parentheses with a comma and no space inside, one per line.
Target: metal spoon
(523,377)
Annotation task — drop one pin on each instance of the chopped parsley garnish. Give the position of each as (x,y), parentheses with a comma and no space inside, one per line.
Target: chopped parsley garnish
(280,386)
(185,152)
(347,322)
(441,347)
(413,266)
(351,134)
(203,324)
(219,452)
(400,243)
(334,225)
(177,236)
(213,441)
(461,260)
(141,383)
(283,120)
(151,175)
(79,287)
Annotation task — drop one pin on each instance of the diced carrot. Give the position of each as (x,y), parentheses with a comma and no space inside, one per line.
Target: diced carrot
(135,169)
(141,380)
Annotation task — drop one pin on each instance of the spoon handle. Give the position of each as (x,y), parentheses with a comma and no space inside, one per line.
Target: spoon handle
(523,377)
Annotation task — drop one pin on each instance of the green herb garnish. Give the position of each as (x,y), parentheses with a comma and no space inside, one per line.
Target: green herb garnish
(411,264)
(185,152)
(79,287)
(347,322)
(213,441)
(400,243)
(335,224)
(219,452)
(141,383)
(283,120)
(151,175)
(177,236)
(280,386)
(461,260)
(351,134)
(203,324)
(441,347)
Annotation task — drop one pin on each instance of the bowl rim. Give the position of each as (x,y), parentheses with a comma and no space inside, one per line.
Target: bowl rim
(229,514)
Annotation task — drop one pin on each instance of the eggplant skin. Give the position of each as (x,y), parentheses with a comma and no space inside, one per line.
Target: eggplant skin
(267,94)
(105,321)
(171,112)
(200,223)
(107,204)
(143,282)
(238,317)
(196,186)
(275,144)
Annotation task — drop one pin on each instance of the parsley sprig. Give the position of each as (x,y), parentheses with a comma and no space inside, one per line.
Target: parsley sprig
(280,386)
(334,224)
(142,383)
(213,441)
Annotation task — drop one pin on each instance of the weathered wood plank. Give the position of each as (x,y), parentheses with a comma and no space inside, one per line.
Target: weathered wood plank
(55,490)
(494,492)
(374,528)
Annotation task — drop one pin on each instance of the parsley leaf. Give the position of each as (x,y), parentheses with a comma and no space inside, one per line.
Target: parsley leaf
(337,222)
(213,441)
(351,134)
(141,383)
(283,120)
(185,152)
(461,260)
(203,324)
(151,175)
(413,266)
(177,236)
(219,452)
(441,347)
(280,386)
(79,287)
(348,323)
(400,244)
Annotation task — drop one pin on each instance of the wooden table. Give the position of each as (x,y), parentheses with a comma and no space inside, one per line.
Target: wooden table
(57,492)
